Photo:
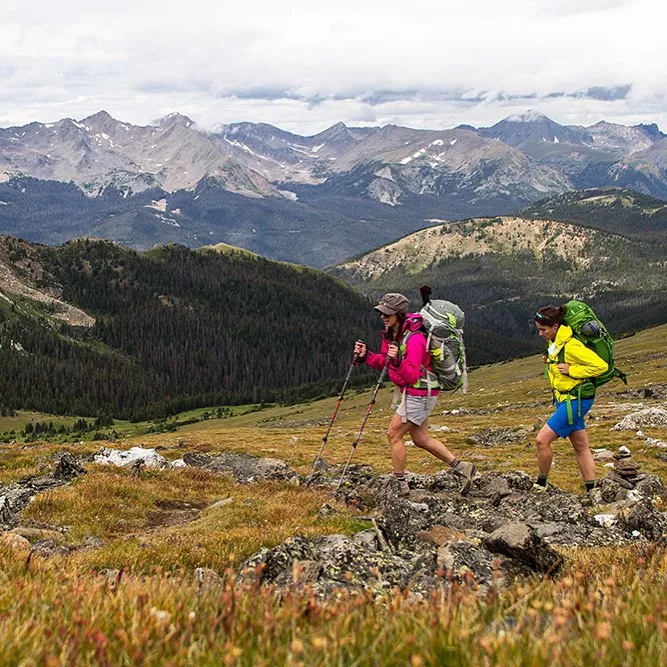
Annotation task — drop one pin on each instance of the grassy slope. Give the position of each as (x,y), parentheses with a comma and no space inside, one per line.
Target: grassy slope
(608,607)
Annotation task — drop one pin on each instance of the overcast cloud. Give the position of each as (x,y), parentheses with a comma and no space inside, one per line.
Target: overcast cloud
(303,65)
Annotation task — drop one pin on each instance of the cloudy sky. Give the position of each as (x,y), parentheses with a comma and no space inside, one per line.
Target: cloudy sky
(304,65)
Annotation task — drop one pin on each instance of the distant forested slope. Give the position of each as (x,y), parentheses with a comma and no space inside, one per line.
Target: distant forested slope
(174,329)
(618,210)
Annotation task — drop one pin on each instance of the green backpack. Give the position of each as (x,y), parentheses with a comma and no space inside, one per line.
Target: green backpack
(588,329)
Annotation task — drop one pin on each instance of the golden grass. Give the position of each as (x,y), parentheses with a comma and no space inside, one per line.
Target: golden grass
(609,607)
(165,518)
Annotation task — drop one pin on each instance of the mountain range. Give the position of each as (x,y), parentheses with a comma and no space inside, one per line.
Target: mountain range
(313,200)
(93,328)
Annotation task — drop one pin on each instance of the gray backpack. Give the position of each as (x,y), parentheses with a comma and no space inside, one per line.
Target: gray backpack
(443,324)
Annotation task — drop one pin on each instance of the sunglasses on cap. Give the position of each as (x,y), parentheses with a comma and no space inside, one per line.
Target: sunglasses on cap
(544,318)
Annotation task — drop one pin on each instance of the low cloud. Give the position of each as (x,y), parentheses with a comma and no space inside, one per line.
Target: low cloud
(309,67)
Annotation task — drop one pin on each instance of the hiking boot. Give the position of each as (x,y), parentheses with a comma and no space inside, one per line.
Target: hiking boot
(468,474)
(538,488)
(403,488)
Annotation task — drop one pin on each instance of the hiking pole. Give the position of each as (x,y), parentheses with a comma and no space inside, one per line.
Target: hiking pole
(363,423)
(355,358)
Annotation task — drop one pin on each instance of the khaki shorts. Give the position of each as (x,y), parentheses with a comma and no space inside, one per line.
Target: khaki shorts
(416,409)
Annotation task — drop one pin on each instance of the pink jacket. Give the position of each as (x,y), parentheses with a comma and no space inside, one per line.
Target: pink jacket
(409,367)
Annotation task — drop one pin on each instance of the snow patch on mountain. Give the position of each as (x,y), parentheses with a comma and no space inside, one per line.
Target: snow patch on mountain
(529,116)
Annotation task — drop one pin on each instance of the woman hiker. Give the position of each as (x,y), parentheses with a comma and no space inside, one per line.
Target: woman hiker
(405,351)
(569,364)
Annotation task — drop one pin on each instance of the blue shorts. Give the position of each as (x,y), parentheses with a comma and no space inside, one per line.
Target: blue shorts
(558,420)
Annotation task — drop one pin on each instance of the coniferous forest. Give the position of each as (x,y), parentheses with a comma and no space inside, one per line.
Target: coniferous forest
(177,329)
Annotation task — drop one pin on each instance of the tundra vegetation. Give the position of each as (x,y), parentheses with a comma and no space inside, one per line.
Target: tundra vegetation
(125,591)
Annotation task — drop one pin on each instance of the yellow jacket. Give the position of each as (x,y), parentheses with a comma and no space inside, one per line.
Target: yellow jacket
(584,363)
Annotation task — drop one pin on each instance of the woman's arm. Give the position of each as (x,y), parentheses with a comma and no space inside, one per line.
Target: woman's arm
(582,362)
(377,360)
(409,370)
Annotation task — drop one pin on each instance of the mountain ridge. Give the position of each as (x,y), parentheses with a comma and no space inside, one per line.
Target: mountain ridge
(500,269)
(373,183)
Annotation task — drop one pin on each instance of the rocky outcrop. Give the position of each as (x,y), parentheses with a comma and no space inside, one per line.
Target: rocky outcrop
(437,537)
(656,417)
(243,468)
(14,497)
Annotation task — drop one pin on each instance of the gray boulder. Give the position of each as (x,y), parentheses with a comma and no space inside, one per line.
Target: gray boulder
(521,541)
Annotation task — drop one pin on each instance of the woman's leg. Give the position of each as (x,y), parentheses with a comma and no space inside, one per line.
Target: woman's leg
(466,470)
(422,439)
(395,433)
(579,440)
(545,454)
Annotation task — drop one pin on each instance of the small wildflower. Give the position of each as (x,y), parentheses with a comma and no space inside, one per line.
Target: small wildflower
(297,646)
(603,630)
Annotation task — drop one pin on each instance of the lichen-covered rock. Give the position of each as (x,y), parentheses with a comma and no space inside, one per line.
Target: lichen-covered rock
(521,541)
(644,518)
(656,417)
(275,565)
(401,520)
(243,468)
(437,536)
(68,468)
(465,562)
(197,459)
(651,487)
(608,491)
(47,548)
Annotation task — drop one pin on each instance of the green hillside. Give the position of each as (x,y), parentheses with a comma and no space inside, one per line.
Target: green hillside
(173,329)
(500,270)
(617,210)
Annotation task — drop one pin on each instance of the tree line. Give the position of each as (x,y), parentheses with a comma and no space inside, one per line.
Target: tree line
(178,329)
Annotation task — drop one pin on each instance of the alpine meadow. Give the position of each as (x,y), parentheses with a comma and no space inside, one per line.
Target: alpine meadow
(220,351)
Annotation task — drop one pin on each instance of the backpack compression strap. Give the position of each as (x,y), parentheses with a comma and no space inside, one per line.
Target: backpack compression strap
(575,391)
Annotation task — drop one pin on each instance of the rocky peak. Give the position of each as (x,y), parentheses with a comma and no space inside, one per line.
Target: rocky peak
(521,130)
(651,130)
(530,116)
(175,119)
(99,117)
(334,131)
(99,121)
(620,138)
